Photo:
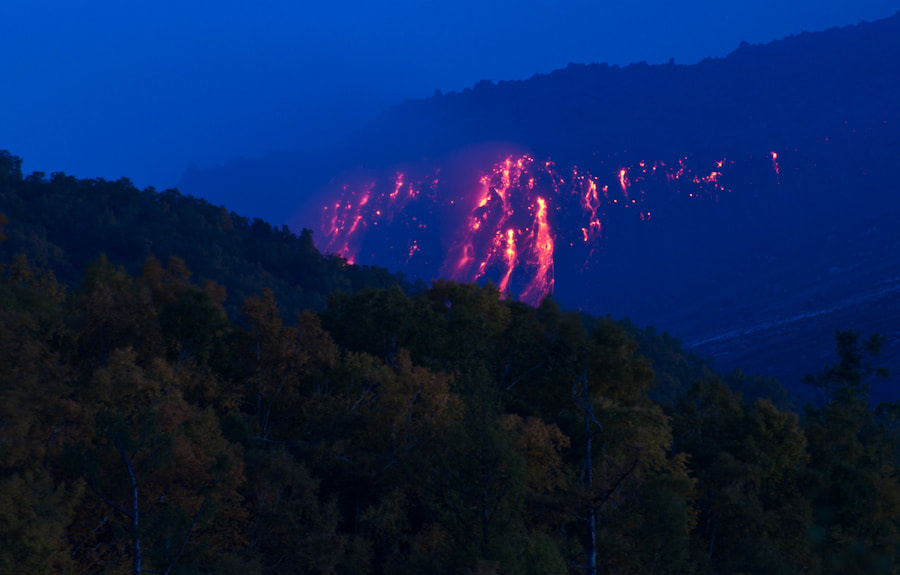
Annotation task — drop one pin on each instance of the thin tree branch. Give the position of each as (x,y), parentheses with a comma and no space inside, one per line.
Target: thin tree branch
(521,377)
(106,499)
(186,537)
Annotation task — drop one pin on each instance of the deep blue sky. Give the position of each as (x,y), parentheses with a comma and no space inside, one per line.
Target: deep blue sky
(103,88)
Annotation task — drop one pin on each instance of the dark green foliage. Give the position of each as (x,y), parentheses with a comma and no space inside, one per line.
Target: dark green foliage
(62,223)
(749,460)
(676,369)
(10,168)
(853,482)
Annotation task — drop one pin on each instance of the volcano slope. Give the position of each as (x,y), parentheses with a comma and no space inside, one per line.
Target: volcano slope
(747,205)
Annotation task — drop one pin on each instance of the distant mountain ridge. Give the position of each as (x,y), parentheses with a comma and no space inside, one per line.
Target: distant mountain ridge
(758,96)
(751,99)
(783,254)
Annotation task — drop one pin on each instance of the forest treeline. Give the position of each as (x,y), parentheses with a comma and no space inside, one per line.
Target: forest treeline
(62,223)
(143,429)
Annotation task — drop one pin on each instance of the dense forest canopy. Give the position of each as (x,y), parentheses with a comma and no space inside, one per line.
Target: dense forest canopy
(162,411)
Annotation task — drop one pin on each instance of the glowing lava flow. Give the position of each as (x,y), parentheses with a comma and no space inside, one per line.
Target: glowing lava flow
(480,251)
(511,259)
(347,218)
(350,220)
(542,281)
(591,203)
(623,181)
(508,221)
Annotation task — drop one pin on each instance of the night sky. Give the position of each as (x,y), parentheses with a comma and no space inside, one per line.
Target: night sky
(141,89)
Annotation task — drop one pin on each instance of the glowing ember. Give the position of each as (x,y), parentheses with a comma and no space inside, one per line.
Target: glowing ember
(398,184)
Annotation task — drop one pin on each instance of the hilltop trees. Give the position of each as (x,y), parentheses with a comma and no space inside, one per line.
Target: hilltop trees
(854,483)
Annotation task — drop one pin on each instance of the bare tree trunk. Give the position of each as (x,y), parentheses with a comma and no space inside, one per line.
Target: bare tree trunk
(185,541)
(482,463)
(259,384)
(712,541)
(135,517)
(591,518)
(582,399)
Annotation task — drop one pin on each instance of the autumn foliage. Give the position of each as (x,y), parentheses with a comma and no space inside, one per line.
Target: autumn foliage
(144,430)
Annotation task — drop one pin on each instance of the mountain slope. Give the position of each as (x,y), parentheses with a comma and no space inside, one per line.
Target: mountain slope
(763,185)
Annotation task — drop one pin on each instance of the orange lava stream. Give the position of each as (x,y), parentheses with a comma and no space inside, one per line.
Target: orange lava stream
(542,282)
(592,204)
(511,259)
(345,223)
(490,215)
(623,181)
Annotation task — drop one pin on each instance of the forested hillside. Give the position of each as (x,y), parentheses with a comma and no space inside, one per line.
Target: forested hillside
(444,430)
(62,223)
(451,432)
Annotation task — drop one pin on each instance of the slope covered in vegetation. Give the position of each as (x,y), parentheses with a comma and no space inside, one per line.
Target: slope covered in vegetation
(444,431)
(62,223)
(450,432)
